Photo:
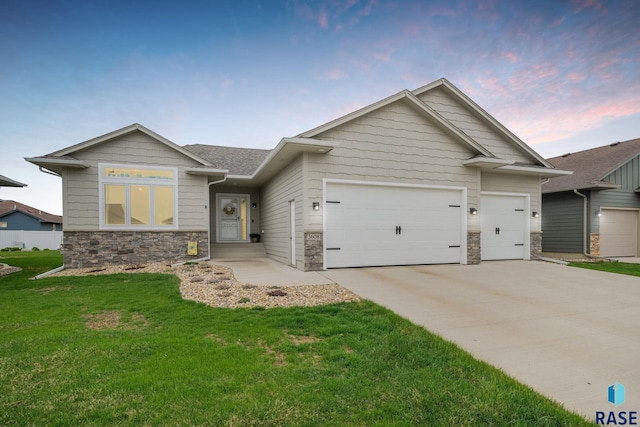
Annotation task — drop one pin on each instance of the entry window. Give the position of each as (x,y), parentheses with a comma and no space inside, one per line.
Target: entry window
(137,198)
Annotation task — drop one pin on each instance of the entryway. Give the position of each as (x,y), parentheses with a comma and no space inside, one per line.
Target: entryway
(504,219)
(232,217)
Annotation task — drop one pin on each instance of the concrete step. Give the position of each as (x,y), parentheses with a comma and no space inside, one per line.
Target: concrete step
(238,250)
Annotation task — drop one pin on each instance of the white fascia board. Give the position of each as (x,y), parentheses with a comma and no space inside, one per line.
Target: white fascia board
(67,163)
(299,145)
(8,182)
(530,170)
(487,162)
(206,171)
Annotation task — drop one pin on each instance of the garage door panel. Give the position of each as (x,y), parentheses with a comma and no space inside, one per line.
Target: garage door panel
(503,227)
(361,230)
(618,233)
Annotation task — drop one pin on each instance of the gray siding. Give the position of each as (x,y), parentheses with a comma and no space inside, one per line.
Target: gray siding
(450,109)
(80,187)
(287,185)
(562,222)
(393,144)
(628,177)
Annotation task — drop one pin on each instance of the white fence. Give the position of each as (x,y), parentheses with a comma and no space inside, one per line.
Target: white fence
(29,239)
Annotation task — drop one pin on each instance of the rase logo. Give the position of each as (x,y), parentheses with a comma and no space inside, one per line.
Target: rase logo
(616,396)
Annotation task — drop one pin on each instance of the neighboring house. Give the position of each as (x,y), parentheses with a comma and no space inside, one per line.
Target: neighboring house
(596,209)
(8,182)
(18,216)
(420,177)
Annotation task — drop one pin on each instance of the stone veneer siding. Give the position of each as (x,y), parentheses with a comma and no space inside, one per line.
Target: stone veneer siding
(535,243)
(473,247)
(81,249)
(594,244)
(313,256)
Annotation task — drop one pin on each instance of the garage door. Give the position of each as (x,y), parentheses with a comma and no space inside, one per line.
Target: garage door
(376,225)
(618,233)
(503,220)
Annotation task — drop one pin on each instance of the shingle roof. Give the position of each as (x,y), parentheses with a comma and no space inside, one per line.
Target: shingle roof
(239,161)
(8,206)
(590,166)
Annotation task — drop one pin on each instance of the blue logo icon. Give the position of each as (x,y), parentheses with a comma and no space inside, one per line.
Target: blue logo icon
(616,394)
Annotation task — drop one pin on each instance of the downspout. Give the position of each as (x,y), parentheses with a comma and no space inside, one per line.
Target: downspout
(584,220)
(209,222)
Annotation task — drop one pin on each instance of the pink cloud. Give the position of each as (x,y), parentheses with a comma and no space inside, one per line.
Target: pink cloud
(443,11)
(322,20)
(580,5)
(576,77)
(382,57)
(334,74)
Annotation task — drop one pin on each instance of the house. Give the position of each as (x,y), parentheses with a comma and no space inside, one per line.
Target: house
(421,177)
(8,182)
(596,209)
(18,216)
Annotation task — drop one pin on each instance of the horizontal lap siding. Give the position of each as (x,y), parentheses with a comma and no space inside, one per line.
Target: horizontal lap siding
(562,223)
(395,144)
(81,207)
(287,185)
(472,126)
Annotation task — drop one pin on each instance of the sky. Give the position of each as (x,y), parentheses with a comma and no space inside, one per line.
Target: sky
(564,76)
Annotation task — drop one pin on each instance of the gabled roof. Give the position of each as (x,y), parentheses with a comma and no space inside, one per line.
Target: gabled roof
(9,206)
(591,166)
(411,99)
(64,158)
(8,182)
(479,112)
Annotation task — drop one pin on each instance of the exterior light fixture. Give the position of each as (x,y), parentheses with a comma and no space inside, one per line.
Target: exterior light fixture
(599,212)
(535,214)
(254,205)
(316,206)
(473,211)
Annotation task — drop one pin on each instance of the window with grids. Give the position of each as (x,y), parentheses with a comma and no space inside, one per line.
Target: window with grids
(135,197)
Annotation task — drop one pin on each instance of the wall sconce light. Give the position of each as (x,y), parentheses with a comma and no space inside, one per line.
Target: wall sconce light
(316,206)
(535,214)
(473,211)
(599,212)
(254,205)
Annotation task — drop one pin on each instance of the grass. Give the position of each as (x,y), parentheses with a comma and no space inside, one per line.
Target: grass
(611,267)
(125,349)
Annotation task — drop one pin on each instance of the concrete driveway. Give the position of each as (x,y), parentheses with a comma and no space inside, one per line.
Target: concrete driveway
(569,333)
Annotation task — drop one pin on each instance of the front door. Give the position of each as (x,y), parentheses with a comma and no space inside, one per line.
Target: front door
(504,234)
(232,214)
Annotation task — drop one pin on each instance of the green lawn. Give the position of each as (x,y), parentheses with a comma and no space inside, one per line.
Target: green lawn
(125,349)
(612,267)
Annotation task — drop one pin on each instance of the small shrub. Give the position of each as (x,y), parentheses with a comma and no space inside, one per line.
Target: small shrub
(243,300)
(35,249)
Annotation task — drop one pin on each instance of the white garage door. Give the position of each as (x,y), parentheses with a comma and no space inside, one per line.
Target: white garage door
(375,225)
(503,220)
(618,233)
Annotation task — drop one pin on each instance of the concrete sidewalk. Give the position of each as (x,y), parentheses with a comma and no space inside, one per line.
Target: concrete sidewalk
(267,272)
(567,332)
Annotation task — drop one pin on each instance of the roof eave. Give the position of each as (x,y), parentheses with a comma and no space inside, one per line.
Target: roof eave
(487,162)
(8,182)
(209,172)
(47,162)
(532,170)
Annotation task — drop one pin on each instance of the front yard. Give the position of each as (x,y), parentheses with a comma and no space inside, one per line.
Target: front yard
(126,349)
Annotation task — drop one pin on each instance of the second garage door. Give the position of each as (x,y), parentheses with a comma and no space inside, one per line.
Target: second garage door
(378,225)
(504,234)
(618,233)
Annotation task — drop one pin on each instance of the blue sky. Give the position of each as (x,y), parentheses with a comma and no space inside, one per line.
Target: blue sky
(562,75)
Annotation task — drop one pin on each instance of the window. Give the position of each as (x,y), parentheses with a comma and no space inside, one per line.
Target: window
(3,224)
(137,198)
